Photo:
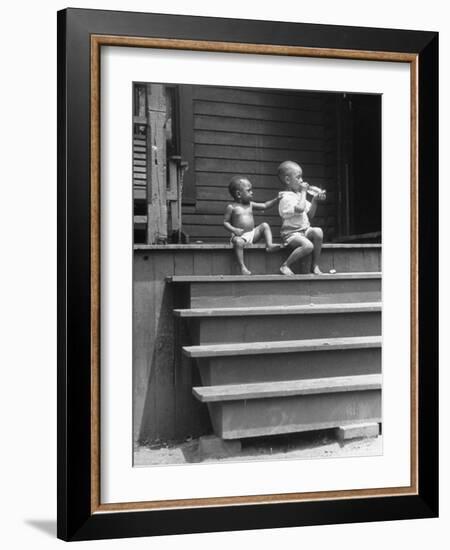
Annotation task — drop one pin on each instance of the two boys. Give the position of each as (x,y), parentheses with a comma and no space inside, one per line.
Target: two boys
(295,211)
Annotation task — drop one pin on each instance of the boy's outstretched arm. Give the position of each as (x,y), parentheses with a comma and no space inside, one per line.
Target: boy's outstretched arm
(265,205)
(227,222)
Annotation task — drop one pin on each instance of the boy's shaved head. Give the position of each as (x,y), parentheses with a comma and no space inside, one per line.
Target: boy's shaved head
(286,168)
(236,184)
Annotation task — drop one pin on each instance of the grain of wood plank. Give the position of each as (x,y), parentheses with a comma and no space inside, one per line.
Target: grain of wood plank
(217,219)
(144,339)
(258,154)
(223,330)
(259,181)
(198,232)
(234,392)
(266,141)
(256,417)
(287,346)
(257,127)
(267,278)
(222,194)
(163,356)
(249,167)
(291,366)
(311,309)
(202,262)
(184,263)
(286,100)
(156,184)
(223,261)
(247,111)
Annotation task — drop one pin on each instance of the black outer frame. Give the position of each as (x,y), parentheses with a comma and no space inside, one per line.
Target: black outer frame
(75,521)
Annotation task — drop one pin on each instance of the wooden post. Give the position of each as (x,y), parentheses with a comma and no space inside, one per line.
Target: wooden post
(157,182)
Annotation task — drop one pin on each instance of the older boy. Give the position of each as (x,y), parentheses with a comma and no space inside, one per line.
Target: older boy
(239,220)
(296,213)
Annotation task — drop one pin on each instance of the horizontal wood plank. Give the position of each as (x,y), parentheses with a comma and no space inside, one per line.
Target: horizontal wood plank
(256,112)
(264,278)
(265,390)
(216,247)
(278,310)
(264,141)
(257,127)
(268,97)
(200,218)
(249,167)
(221,193)
(218,204)
(258,154)
(286,346)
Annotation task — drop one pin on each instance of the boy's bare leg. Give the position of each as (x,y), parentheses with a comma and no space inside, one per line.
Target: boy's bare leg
(301,247)
(263,230)
(315,234)
(238,245)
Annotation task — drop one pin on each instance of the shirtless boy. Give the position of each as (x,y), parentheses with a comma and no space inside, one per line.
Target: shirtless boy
(239,221)
(296,213)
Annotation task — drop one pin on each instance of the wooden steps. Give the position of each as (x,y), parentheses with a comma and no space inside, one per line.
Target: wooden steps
(283,354)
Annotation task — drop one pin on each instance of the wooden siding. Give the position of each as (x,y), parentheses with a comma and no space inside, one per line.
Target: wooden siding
(250,132)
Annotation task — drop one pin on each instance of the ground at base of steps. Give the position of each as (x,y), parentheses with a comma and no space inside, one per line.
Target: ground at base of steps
(299,446)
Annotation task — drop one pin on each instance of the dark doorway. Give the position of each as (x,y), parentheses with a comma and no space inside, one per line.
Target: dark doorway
(360,123)
(366,211)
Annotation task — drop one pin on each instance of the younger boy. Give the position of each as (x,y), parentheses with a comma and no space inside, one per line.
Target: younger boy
(296,213)
(239,220)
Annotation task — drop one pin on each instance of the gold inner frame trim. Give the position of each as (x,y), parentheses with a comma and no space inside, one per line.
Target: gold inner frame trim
(97,41)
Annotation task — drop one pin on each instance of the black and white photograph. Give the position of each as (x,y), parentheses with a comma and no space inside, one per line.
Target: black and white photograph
(222,319)
(257,274)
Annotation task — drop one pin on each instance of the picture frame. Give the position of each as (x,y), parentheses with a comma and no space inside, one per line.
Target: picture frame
(81,35)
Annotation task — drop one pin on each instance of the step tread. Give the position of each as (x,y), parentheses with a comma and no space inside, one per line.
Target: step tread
(261,390)
(279,310)
(285,346)
(267,278)
(226,246)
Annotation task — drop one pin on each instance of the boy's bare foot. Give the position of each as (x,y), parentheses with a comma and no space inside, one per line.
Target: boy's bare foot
(273,248)
(285,270)
(316,270)
(245,271)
